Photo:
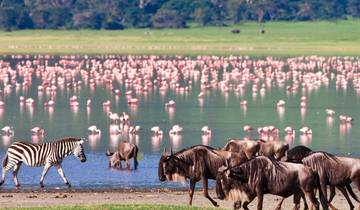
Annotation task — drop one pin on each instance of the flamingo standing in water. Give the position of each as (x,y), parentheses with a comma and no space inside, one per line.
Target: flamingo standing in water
(37,131)
(7,131)
(306,131)
(205,130)
(156,131)
(175,130)
(93,130)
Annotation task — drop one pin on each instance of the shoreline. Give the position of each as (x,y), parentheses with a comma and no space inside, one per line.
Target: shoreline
(72,197)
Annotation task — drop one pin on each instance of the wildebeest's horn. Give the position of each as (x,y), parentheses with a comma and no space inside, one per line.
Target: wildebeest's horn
(171,152)
(227,164)
(164,151)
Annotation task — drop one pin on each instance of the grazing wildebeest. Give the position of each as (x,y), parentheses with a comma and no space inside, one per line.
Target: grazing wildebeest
(126,151)
(235,31)
(195,163)
(47,155)
(275,149)
(298,153)
(262,175)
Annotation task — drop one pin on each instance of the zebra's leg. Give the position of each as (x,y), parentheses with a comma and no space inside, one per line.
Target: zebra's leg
(45,170)
(61,172)
(15,172)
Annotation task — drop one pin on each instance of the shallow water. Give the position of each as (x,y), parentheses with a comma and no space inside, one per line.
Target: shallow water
(220,110)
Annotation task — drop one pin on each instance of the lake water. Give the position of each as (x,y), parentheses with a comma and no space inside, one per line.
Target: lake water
(326,82)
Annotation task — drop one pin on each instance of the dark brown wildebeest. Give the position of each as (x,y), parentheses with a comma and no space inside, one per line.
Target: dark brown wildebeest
(274,149)
(195,163)
(262,175)
(249,148)
(335,171)
(126,151)
(235,31)
(297,154)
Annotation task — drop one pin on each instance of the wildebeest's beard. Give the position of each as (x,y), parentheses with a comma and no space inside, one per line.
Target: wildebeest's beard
(161,172)
(173,169)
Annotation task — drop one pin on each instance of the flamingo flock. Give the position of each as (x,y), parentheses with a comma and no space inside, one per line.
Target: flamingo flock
(136,77)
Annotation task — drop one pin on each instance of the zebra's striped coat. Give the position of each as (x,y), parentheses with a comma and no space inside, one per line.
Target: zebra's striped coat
(47,155)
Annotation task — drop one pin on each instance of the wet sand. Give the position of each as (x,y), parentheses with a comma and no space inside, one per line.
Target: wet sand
(13,198)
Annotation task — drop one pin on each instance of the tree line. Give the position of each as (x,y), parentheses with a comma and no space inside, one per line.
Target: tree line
(120,14)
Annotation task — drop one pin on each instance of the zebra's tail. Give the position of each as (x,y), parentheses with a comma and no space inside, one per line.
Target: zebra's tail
(108,153)
(4,164)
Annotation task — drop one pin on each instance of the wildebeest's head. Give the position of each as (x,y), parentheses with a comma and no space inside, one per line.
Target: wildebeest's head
(171,167)
(297,153)
(78,150)
(227,180)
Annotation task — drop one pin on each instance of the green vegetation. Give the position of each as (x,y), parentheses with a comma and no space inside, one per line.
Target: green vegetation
(115,14)
(119,207)
(280,39)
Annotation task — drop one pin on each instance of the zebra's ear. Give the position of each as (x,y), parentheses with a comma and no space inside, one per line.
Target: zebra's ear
(81,141)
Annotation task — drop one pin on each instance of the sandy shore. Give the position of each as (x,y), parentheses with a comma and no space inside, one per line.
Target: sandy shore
(13,198)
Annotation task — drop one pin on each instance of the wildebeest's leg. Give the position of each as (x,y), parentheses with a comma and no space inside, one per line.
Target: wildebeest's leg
(278,207)
(245,205)
(260,197)
(15,172)
(135,158)
(206,193)
(45,170)
(237,205)
(310,195)
(191,190)
(306,207)
(296,200)
(127,163)
(61,172)
(343,191)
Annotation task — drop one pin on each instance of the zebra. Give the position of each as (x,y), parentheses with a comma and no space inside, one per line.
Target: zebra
(47,155)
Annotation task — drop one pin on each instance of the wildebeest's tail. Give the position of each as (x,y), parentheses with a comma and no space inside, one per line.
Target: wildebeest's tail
(351,192)
(108,153)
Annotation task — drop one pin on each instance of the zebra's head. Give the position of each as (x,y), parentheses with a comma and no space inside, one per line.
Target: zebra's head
(79,150)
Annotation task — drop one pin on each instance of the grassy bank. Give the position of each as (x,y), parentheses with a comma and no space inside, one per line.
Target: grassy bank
(119,207)
(280,39)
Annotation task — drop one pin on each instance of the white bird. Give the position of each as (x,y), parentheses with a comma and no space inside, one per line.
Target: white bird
(156,130)
(175,130)
(206,130)
(37,131)
(93,130)
(7,131)
(306,131)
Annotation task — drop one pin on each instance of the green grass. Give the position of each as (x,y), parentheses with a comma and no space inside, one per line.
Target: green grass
(119,207)
(280,39)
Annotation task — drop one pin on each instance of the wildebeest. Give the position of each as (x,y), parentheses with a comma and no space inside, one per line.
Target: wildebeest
(235,31)
(126,151)
(298,153)
(275,149)
(246,147)
(195,163)
(262,175)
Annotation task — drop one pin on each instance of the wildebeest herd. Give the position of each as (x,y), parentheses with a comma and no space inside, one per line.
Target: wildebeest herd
(243,169)
(246,169)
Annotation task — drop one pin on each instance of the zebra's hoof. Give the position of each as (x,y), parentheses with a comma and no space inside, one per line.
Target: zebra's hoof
(41,185)
(17,186)
(68,184)
(2,182)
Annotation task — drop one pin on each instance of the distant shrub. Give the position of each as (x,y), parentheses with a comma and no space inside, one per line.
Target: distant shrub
(168,19)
